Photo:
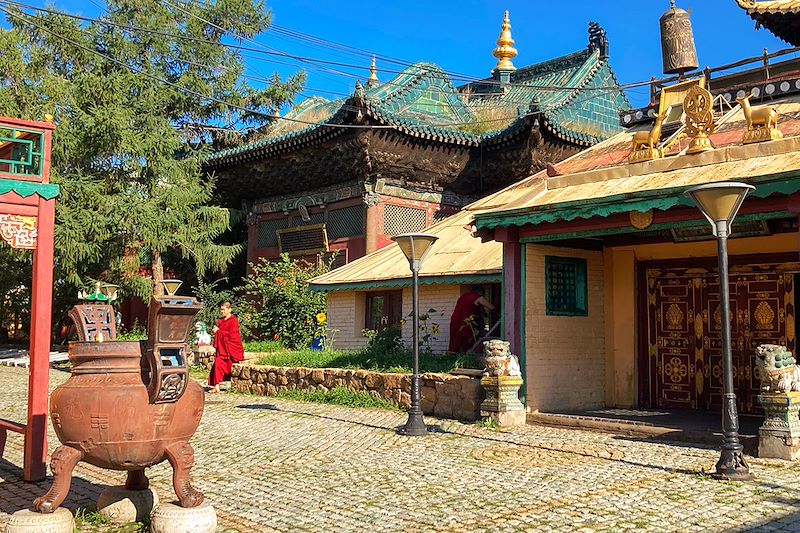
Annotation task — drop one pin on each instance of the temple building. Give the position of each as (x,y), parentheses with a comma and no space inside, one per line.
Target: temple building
(344,176)
(609,280)
(781,17)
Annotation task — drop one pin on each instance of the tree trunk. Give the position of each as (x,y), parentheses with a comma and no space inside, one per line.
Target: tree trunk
(158,274)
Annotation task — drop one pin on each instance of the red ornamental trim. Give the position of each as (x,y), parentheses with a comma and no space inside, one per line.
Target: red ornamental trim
(18,231)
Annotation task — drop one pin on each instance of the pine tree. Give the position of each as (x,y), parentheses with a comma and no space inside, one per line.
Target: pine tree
(136,112)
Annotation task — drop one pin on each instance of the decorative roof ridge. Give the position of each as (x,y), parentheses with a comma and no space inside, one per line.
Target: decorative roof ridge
(419,129)
(552,65)
(769,6)
(398,89)
(250,148)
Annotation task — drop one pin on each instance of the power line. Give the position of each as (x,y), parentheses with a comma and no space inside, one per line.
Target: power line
(230,104)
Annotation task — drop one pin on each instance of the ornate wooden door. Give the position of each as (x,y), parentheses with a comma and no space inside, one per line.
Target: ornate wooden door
(684,332)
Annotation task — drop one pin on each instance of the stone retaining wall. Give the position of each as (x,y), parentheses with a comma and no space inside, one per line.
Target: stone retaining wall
(443,395)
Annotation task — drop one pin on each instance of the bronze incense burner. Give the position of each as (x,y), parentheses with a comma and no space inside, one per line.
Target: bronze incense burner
(127,405)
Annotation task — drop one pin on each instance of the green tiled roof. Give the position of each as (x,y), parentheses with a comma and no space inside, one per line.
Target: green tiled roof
(422,102)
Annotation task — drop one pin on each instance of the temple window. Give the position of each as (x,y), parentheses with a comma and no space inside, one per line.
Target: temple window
(565,286)
(399,219)
(384,309)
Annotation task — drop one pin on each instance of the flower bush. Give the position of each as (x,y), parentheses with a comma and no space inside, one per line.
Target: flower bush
(279,304)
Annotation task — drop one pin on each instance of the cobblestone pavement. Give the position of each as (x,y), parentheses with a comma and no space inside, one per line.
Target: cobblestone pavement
(273,465)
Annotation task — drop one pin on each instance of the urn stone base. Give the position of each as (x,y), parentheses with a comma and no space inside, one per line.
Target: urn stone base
(120,505)
(171,518)
(779,436)
(502,400)
(26,521)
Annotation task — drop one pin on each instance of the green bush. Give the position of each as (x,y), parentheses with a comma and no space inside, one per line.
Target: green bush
(211,297)
(279,304)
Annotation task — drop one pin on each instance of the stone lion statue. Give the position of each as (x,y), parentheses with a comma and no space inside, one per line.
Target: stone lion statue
(777,368)
(499,359)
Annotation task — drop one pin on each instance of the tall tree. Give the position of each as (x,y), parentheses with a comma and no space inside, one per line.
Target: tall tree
(138,96)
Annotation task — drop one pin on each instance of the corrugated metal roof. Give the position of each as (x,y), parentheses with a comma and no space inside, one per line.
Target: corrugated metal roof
(770,6)
(456,253)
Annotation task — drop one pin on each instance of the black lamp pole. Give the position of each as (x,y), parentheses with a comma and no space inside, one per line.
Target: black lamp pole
(731,464)
(415,426)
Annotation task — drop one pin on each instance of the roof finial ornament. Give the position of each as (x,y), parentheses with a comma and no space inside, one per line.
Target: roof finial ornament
(672,4)
(505,50)
(373,75)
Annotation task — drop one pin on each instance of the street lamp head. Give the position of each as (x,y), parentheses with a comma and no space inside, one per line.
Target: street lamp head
(719,202)
(415,246)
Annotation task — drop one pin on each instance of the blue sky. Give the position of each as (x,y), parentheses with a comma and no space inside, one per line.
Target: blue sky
(459,35)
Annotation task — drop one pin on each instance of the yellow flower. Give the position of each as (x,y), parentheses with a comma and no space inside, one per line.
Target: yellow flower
(402,322)
(435,330)
(321,318)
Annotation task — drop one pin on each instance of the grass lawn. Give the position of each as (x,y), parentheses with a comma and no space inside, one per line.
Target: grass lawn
(399,362)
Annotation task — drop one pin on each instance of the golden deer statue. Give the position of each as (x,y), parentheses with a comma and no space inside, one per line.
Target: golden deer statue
(648,139)
(766,116)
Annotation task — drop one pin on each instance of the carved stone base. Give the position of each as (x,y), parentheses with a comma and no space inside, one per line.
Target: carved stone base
(121,505)
(759,135)
(506,419)
(502,400)
(779,436)
(26,521)
(645,154)
(171,518)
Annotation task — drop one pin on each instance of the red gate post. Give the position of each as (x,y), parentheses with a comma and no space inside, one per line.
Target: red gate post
(38,378)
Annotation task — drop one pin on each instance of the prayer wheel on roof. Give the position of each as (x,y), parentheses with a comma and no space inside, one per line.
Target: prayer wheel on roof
(677,42)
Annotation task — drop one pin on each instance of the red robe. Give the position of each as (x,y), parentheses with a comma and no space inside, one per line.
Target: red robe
(461,337)
(229,350)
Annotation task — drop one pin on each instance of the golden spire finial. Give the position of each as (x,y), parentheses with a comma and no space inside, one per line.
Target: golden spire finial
(505,50)
(373,74)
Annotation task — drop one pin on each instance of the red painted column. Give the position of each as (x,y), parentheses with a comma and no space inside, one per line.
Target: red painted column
(512,286)
(38,379)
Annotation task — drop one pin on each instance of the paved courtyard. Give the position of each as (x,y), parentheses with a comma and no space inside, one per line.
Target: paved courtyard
(273,465)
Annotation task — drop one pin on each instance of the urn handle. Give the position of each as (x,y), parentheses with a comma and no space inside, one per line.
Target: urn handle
(168,374)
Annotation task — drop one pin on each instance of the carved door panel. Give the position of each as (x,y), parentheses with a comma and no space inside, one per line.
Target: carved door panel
(766,300)
(684,332)
(672,343)
(712,342)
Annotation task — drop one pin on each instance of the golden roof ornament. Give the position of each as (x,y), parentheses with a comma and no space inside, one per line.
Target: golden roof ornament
(677,42)
(699,119)
(762,122)
(373,75)
(505,50)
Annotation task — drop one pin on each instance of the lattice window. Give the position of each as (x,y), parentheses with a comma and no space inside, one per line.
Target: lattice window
(346,222)
(21,151)
(303,240)
(565,286)
(400,219)
(267,237)
(313,218)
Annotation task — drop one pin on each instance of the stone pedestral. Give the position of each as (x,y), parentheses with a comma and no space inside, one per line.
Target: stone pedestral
(779,436)
(26,521)
(120,505)
(171,518)
(502,400)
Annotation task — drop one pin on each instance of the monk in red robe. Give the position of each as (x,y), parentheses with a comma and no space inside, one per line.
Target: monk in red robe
(462,336)
(228,346)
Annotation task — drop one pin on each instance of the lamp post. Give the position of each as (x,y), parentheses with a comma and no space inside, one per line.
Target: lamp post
(415,246)
(719,203)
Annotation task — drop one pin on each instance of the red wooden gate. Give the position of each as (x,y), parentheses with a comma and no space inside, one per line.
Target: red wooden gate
(27,219)
(684,331)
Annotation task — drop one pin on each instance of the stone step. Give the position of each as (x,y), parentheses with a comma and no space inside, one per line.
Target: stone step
(15,357)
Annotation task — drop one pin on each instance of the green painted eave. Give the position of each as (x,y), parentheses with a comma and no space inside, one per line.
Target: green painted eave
(659,199)
(467,279)
(24,189)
